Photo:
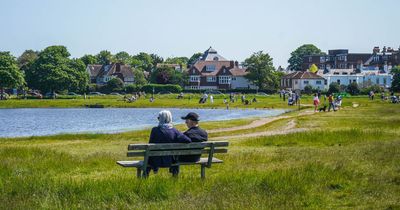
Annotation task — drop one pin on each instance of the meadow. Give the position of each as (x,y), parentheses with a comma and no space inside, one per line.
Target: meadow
(347,159)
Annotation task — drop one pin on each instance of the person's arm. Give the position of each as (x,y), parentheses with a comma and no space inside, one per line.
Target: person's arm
(182,138)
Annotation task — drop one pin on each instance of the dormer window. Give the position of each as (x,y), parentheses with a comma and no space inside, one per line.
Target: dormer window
(215,58)
(210,68)
(193,71)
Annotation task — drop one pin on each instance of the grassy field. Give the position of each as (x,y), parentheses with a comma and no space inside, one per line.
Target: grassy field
(345,160)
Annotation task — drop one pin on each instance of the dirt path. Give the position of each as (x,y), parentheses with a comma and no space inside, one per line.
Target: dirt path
(257,123)
(288,128)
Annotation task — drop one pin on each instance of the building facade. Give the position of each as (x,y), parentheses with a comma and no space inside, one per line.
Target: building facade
(298,80)
(101,74)
(212,71)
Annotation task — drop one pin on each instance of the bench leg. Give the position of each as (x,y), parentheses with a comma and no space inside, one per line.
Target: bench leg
(139,172)
(203,171)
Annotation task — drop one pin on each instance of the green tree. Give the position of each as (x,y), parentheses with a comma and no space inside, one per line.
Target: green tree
(10,75)
(353,88)
(54,71)
(143,61)
(396,79)
(89,59)
(122,57)
(194,58)
(140,79)
(334,87)
(105,57)
(308,89)
(115,84)
(156,59)
(27,58)
(296,57)
(261,71)
(168,75)
(177,60)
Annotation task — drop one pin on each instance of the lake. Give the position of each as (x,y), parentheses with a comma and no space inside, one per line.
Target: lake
(50,121)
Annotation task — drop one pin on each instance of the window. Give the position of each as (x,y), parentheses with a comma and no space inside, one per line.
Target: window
(354,80)
(296,82)
(384,81)
(310,59)
(193,71)
(322,66)
(321,59)
(305,82)
(194,78)
(194,87)
(211,79)
(344,73)
(215,58)
(338,81)
(210,68)
(377,80)
(233,78)
(318,82)
(224,79)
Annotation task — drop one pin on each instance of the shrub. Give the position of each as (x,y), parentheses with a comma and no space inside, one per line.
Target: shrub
(308,89)
(334,87)
(353,88)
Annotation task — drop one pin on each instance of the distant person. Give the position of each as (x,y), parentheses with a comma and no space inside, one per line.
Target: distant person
(211,99)
(316,102)
(165,133)
(331,104)
(195,133)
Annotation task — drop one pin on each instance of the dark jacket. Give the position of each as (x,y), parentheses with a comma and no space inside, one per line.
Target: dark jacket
(196,134)
(165,135)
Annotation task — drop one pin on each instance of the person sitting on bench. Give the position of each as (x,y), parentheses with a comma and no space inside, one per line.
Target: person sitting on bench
(165,133)
(195,133)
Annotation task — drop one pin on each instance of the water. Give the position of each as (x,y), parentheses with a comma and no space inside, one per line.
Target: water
(49,121)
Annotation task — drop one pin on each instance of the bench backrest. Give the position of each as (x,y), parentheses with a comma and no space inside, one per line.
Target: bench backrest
(197,148)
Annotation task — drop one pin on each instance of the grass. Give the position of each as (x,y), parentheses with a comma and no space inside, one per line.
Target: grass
(346,160)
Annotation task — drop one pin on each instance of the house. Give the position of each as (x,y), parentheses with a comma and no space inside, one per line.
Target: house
(299,79)
(341,59)
(101,74)
(212,71)
(363,78)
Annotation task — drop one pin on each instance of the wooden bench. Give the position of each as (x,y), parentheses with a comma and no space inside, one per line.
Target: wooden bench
(197,148)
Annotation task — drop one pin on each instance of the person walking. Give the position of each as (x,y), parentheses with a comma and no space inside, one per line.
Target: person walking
(316,102)
(212,99)
(331,104)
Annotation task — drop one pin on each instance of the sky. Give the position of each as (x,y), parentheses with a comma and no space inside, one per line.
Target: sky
(236,29)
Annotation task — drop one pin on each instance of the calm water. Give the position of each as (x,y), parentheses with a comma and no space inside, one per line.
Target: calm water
(39,122)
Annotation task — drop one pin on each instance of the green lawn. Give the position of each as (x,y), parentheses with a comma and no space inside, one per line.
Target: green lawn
(345,160)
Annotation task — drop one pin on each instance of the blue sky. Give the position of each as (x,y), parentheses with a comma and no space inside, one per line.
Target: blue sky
(235,29)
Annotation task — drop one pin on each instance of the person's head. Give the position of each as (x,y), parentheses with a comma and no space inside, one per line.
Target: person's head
(165,118)
(315,94)
(191,119)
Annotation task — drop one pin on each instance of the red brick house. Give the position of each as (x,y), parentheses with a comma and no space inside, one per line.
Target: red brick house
(212,71)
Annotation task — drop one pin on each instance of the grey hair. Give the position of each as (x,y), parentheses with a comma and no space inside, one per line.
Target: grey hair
(165,119)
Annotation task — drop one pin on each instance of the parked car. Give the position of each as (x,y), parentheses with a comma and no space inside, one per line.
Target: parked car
(73,94)
(215,92)
(115,94)
(35,95)
(96,94)
(4,95)
(51,95)
(164,92)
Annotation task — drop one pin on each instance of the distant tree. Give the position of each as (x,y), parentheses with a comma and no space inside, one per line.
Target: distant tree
(140,79)
(194,58)
(54,71)
(105,57)
(353,88)
(296,57)
(122,57)
(115,84)
(313,68)
(143,61)
(334,87)
(177,60)
(396,79)
(89,59)
(27,58)
(10,75)
(156,59)
(261,71)
(308,89)
(168,75)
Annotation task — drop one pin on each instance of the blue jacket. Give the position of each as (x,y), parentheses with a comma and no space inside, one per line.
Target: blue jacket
(165,135)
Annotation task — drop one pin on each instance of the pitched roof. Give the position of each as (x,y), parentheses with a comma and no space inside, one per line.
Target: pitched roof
(212,55)
(94,69)
(117,70)
(302,75)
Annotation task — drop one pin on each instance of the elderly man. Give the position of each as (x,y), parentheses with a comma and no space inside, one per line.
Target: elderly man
(195,133)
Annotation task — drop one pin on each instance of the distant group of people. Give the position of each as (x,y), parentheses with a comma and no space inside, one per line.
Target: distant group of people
(334,103)
(166,133)
(293,98)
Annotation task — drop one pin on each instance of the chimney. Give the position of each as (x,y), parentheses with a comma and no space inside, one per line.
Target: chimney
(232,64)
(236,63)
(118,67)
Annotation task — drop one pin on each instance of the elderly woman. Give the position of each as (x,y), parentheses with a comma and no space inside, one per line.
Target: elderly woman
(165,133)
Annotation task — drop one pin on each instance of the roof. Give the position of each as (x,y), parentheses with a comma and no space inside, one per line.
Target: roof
(212,55)
(302,75)
(94,69)
(116,69)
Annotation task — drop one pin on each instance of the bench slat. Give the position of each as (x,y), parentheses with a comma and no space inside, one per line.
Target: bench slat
(177,152)
(136,163)
(195,145)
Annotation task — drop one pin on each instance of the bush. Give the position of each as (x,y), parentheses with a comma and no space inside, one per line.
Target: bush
(132,88)
(159,88)
(353,88)
(308,89)
(374,88)
(334,87)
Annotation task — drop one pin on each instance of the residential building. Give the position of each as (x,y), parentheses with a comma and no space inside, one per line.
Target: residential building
(212,71)
(101,74)
(299,79)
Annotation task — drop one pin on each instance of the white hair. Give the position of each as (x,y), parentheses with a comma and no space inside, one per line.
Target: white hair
(165,119)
